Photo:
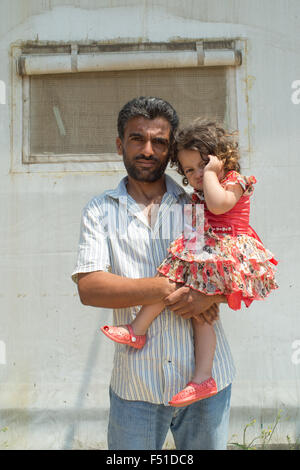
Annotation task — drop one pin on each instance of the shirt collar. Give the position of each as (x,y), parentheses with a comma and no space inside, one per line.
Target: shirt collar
(173,188)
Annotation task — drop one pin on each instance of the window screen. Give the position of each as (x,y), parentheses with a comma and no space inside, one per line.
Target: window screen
(76,114)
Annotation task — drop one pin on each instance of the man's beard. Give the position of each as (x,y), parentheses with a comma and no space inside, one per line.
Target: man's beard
(146,175)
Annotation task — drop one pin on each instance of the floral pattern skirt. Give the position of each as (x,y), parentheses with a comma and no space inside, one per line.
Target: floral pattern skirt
(239,267)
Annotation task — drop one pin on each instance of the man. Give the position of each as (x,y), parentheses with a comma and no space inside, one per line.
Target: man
(120,248)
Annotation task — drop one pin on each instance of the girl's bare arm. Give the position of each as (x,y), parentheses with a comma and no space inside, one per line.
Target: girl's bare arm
(218,199)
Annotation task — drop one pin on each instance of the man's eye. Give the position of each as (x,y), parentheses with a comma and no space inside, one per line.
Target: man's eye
(160,143)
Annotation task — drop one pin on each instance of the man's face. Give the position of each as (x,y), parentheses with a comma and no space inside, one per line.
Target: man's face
(145,148)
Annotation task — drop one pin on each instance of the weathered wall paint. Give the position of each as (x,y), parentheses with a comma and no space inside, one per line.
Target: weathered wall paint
(54,379)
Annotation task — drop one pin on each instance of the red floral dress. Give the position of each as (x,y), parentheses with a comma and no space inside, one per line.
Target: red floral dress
(231,259)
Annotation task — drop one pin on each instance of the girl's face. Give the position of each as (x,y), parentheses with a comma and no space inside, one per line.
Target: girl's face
(193,167)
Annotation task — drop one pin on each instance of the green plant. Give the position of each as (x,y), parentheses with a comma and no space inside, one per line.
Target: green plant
(263,439)
(266,434)
(244,445)
(4,444)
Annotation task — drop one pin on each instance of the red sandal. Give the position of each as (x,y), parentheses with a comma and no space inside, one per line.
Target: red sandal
(194,392)
(119,336)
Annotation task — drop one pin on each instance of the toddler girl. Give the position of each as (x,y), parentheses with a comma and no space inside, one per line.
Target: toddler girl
(231,261)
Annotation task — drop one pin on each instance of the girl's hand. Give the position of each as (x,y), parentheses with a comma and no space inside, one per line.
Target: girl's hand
(214,165)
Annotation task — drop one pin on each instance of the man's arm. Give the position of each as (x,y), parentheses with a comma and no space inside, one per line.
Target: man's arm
(107,290)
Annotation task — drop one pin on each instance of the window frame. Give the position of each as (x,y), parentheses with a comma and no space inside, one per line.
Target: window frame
(23,161)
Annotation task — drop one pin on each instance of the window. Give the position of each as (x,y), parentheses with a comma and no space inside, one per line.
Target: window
(72,94)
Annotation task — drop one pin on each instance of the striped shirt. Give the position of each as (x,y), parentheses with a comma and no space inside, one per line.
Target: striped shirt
(116,237)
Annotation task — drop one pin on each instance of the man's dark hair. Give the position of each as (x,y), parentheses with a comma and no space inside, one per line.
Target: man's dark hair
(150,108)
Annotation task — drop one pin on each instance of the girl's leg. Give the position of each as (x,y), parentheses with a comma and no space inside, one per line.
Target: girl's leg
(204,346)
(202,384)
(138,327)
(145,317)
(147,314)
(135,334)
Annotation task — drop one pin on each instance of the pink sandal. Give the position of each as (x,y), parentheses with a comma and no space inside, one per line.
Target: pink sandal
(129,338)
(194,392)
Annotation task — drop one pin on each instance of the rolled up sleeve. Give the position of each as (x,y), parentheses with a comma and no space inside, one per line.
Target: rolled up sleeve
(93,251)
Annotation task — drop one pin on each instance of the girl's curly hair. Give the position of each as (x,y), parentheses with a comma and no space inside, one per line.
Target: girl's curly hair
(208,138)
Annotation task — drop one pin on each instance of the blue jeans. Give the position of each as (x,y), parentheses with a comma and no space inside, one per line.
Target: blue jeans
(138,425)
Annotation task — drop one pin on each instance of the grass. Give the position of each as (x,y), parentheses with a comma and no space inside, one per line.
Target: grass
(263,440)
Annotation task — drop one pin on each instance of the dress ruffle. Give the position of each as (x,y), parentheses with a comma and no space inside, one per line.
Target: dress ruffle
(234,265)
(239,266)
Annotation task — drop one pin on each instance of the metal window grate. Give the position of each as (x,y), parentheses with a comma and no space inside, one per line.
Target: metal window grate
(76,114)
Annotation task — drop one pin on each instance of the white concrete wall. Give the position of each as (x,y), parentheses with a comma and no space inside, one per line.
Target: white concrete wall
(54,367)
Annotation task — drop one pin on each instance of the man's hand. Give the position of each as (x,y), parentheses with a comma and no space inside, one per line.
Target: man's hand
(189,303)
(167,285)
(210,315)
